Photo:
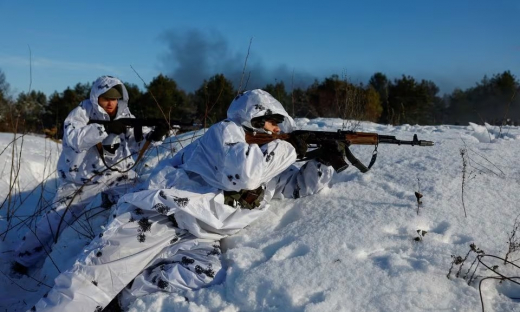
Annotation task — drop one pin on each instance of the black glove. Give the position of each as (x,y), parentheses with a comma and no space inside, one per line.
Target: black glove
(158,132)
(298,141)
(115,126)
(331,153)
(331,149)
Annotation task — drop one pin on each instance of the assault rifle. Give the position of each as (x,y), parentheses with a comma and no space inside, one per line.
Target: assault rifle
(139,123)
(320,138)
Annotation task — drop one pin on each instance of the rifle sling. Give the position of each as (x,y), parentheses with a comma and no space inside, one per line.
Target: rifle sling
(350,157)
(356,163)
(99,147)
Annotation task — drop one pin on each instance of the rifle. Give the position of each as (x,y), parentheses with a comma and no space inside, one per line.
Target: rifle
(319,138)
(139,123)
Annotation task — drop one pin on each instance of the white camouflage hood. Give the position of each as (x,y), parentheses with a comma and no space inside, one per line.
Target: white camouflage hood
(102,85)
(257,103)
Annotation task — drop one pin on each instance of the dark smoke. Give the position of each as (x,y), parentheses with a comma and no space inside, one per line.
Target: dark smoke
(193,56)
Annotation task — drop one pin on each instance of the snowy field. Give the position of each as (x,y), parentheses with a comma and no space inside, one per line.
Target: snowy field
(363,244)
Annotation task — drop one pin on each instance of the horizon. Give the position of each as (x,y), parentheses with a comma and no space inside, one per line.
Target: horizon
(57,45)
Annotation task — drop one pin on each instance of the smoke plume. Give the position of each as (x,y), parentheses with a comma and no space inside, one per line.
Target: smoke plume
(193,56)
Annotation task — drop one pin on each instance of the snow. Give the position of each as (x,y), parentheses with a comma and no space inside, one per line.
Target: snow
(362,244)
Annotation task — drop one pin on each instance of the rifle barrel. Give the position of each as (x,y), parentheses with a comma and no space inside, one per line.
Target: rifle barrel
(387,139)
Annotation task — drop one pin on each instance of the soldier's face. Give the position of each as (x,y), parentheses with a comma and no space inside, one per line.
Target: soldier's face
(271,125)
(109,105)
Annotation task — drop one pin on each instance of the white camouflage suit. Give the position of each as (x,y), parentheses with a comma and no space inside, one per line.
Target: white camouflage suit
(82,174)
(166,237)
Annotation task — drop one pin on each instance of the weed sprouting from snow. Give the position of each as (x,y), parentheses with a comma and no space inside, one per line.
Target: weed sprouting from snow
(463,154)
(418,195)
(490,270)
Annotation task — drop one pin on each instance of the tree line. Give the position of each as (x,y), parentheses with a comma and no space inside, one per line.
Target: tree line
(403,100)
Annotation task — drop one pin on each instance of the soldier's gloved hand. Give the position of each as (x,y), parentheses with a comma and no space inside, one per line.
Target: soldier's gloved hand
(330,151)
(298,141)
(158,132)
(115,126)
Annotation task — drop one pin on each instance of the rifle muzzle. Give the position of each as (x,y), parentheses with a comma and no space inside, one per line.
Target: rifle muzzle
(421,142)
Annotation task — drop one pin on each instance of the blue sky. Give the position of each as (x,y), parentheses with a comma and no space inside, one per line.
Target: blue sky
(452,43)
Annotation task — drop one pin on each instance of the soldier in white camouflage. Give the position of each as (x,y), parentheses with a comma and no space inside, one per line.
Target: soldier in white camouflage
(95,159)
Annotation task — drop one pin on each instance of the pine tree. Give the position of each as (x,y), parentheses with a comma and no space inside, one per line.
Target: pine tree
(212,99)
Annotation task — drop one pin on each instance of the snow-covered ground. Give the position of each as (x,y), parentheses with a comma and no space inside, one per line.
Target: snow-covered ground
(362,244)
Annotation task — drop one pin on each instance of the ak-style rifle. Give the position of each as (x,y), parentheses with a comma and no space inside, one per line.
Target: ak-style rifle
(139,123)
(320,138)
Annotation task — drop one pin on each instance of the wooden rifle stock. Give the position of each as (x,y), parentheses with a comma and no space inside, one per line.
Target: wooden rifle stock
(264,138)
